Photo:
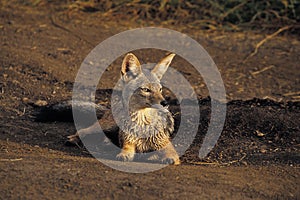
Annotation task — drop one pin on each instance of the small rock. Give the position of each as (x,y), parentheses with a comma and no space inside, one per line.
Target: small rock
(259,134)
(25,99)
(244,163)
(263,149)
(41,103)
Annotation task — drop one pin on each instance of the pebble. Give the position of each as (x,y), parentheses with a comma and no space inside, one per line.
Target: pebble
(259,133)
(25,99)
(41,103)
(244,163)
(263,149)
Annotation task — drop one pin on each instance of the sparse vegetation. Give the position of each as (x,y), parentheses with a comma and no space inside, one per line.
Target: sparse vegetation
(207,14)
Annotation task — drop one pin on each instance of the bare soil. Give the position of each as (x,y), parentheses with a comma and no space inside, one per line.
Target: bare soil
(256,157)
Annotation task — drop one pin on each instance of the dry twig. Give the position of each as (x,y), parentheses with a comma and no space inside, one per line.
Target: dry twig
(57,25)
(258,45)
(262,70)
(233,9)
(10,159)
(217,163)
(20,127)
(291,93)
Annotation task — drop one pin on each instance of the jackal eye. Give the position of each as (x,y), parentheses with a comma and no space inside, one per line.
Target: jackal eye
(160,90)
(145,89)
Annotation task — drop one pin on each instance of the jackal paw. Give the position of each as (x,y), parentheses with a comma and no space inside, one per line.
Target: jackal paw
(171,161)
(125,156)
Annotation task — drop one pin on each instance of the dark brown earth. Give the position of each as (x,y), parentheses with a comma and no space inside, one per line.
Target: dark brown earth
(257,155)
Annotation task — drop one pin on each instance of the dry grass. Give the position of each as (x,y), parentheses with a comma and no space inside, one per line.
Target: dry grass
(206,14)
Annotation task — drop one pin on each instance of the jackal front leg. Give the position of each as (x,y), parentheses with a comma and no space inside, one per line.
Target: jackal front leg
(169,155)
(127,152)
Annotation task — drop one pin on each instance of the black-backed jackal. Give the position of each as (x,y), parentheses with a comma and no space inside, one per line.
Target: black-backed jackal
(143,116)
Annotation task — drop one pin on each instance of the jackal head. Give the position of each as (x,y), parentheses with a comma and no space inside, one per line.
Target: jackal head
(141,87)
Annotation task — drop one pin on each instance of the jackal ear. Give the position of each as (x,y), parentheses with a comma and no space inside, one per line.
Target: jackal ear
(131,67)
(160,68)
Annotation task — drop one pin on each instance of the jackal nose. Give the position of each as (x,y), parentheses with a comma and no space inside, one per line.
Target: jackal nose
(164,103)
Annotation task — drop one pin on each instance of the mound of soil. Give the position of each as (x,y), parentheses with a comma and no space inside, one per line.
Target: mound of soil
(256,132)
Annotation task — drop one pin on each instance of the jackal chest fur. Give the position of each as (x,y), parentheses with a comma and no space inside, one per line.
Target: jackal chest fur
(149,129)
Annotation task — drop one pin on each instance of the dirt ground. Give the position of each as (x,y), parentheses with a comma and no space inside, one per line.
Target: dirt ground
(256,157)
